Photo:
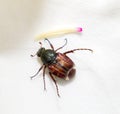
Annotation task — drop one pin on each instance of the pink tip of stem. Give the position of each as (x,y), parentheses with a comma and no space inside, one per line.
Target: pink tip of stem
(79,29)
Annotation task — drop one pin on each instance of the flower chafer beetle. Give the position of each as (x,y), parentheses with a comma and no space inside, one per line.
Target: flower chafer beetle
(58,64)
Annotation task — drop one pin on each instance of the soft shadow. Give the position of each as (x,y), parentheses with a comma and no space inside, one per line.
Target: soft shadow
(63,82)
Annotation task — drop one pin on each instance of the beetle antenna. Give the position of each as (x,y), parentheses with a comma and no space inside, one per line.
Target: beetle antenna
(63,45)
(40,44)
(36,53)
(33,55)
(50,44)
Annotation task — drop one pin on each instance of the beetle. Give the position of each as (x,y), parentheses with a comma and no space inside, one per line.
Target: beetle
(58,64)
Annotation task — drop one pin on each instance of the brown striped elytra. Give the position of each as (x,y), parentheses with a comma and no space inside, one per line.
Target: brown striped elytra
(62,67)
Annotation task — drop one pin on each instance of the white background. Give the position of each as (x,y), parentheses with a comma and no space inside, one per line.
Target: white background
(96,86)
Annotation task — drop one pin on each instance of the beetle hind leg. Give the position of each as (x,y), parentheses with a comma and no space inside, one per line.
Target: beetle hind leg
(55,83)
(71,51)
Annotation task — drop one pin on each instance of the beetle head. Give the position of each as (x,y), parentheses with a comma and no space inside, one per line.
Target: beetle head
(40,51)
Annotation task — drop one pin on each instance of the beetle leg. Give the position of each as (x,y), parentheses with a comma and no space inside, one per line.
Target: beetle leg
(61,46)
(44,77)
(50,44)
(71,51)
(55,84)
(37,72)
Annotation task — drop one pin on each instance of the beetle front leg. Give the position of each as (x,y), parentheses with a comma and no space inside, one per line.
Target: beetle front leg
(55,84)
(37,72)
(50,44)
(71,51)
(61,46)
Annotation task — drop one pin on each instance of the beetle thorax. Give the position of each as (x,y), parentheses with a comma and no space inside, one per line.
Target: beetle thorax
(47,55)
